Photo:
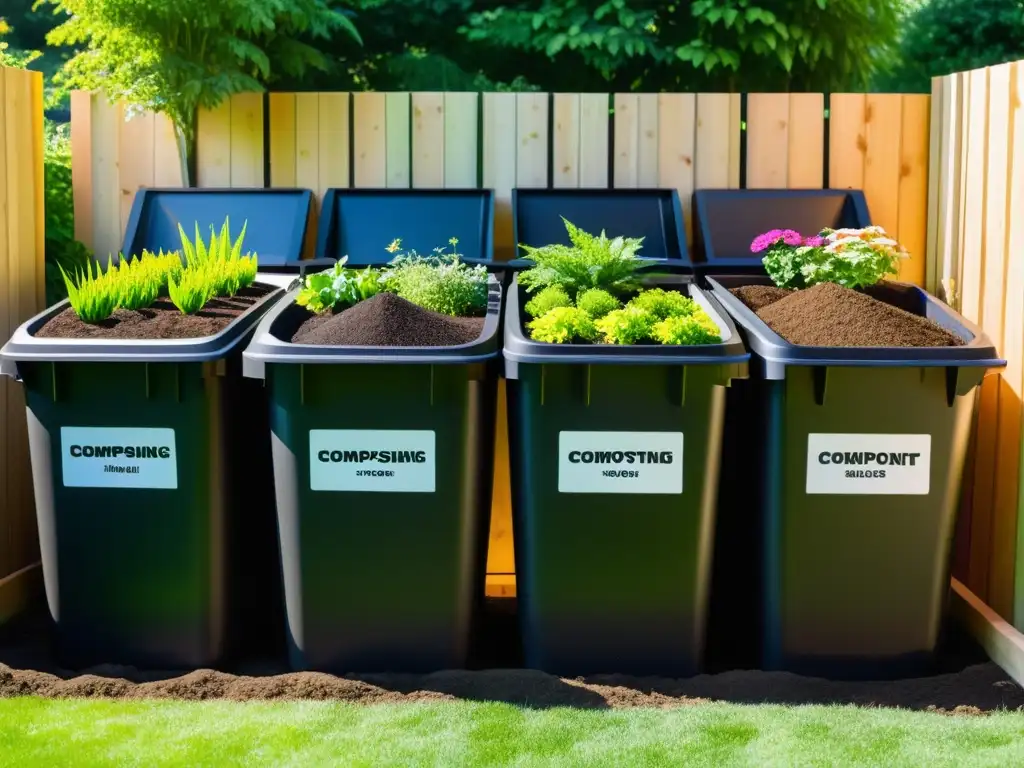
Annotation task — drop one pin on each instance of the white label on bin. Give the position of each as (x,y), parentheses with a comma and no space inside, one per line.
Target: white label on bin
(620,462)
(882,465)
(118,457)
(384,460)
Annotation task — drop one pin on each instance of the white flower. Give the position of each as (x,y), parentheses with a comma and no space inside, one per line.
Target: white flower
(886,241)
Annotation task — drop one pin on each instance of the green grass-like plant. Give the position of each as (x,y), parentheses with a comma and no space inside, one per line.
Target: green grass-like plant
(561,325)
(591,261)
(216,268)
(597,302)
(93,295)
(547,299)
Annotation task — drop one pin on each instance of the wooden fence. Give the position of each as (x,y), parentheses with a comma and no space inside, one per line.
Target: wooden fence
(976,258)
(878,143)
(22,286)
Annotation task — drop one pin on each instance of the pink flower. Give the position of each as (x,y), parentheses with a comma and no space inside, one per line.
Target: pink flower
(792,237)
(814,242)
(766,241)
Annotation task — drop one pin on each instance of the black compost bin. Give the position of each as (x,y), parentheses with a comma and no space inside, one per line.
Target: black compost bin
(612,567)
(854,560)
(383,562)
(150,471)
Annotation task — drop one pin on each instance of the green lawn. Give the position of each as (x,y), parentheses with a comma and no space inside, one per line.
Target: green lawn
(36,732)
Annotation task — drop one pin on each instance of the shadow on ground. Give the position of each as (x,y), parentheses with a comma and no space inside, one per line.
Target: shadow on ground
(963,682)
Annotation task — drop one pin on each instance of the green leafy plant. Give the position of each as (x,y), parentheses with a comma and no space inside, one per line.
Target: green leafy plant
(217,268)
(629,325)
(547,299)
(591,261)
(597,302)
(190,291)
(338,287)
(563,324)
(179,57)
(853,258)
(440,282)
(663,304)
(693,329)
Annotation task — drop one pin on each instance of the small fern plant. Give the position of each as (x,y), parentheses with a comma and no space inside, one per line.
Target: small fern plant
(591,261)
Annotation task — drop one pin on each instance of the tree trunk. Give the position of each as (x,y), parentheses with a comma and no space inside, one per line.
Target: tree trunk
(187,145)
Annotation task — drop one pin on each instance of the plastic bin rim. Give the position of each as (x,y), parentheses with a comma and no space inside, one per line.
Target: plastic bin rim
(779,353)
(24,347)
(519,349)
(267,348)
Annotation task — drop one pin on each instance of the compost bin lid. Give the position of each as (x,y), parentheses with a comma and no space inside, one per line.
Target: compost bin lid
(361,223)
(653,214)
(275,220)
(728,220)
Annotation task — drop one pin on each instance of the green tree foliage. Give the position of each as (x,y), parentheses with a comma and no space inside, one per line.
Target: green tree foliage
(943,36)
(178,56)
(731,44)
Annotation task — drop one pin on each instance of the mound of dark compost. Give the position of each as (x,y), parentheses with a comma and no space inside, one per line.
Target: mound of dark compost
(387,320)
(829,315)
(759,296)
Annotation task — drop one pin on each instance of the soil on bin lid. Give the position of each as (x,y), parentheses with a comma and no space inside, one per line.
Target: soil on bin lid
(387,320)
(161,320)
(829,315)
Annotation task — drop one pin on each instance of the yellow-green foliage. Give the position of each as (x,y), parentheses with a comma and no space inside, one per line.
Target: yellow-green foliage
(214,269)
(662,303)
(563,324)
(546,300)
(697,328)
(629,325)
(596,302)
(217,268)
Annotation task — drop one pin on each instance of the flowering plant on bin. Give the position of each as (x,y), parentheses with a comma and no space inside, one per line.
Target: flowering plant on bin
(853,258)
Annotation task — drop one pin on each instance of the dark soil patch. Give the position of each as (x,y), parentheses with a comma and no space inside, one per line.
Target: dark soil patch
(828,315)
(963,684)
(758,296)
(387,320)
(162,320)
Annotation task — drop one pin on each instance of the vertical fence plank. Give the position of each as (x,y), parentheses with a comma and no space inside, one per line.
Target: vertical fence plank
(565,144)
(166,159)
(135,159)
(461,118)
(247,140)
(532,131)
(847,141)
(307,140)
(8,323)
(1011,409)
(398,139)
(214,147)
(626,170)
(499,160)
(973,251)
(767,140)
(713,141)
(593,140)
(647,141)
(912,203)
(500,146)
(81,165)
(334,145)
(283,140)
(949,203)
(883,119)
(677,137)
(1005,435)
(805,167)
(106,189)
(369,140)
(936,149)
(428,139)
